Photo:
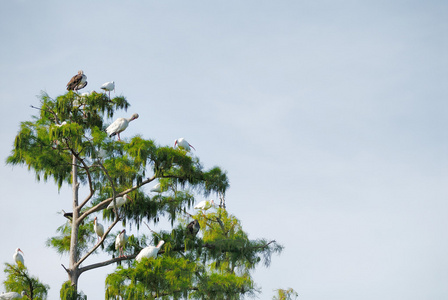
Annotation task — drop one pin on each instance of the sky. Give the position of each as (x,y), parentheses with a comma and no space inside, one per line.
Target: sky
(328,116)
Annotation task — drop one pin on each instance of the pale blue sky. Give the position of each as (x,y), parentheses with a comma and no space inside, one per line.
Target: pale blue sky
(329,116)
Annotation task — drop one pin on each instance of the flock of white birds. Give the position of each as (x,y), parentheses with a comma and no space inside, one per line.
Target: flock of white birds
(77,82)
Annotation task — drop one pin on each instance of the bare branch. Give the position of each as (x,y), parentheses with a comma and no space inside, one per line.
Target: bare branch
(65,269)
(105,263)
(88,212)
(89,178)
(152,230)
(104,203)
(100,242)
(49,111)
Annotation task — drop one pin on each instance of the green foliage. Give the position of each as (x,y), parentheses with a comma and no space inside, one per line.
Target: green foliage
(152,278)
(288,294)
(18,280)
(61,243)
(46,147)
(69,292)
(215,267)
(68,137)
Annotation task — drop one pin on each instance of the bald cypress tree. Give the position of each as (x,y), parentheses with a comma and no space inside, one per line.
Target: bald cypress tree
(66,142)
(19,280)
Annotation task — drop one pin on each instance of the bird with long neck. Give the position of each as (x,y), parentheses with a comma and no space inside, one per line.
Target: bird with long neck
(108,87)
(119,125)
(120,242)
(183,144)
(205,205)
(119,202)
(150,251)
(18,258)
(99,229)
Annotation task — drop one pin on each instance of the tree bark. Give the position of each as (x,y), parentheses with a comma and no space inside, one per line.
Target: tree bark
(73,272)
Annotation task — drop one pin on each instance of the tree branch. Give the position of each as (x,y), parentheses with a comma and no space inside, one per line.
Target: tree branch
(100,242)
(89,178)
(104,203)
(88,212)
(105,263)
(68,272)
(48,111)
(211,246)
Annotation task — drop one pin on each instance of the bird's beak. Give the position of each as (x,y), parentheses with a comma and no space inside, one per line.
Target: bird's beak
(192,147)
(22,252)
(175,143)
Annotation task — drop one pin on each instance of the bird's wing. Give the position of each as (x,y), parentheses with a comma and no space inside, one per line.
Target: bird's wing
(107,86)
(117,126)
(10,295)
(99,229)
(201,204)
(117,241)
(119,201)
(80,85)
(74,82)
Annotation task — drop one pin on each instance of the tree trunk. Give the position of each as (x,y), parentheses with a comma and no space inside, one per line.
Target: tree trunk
(73,268)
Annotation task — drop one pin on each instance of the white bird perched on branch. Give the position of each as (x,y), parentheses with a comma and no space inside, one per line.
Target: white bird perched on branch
(109,86)
(120,201)
(12,295)
(183,144)
(18,258)
(99,229)
(157,188)
(150,251)
(77,82)
(120,242)
(119,125)
(204,205)
(62,124)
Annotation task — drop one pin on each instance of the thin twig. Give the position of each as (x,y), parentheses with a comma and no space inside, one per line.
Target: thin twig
(49,111)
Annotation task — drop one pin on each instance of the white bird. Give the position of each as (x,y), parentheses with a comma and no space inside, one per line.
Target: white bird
(108,86)
(77,82)
(62,124)
(120,242)
(119,125)
(204,205)
(18,258)
(183,144)
(12,295)
(120,201)
(150,251)
(157,188)
(86,94)
(99,229)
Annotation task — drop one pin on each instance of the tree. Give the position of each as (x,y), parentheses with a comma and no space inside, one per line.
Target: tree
(18,280)
(67,142)
(286,294)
